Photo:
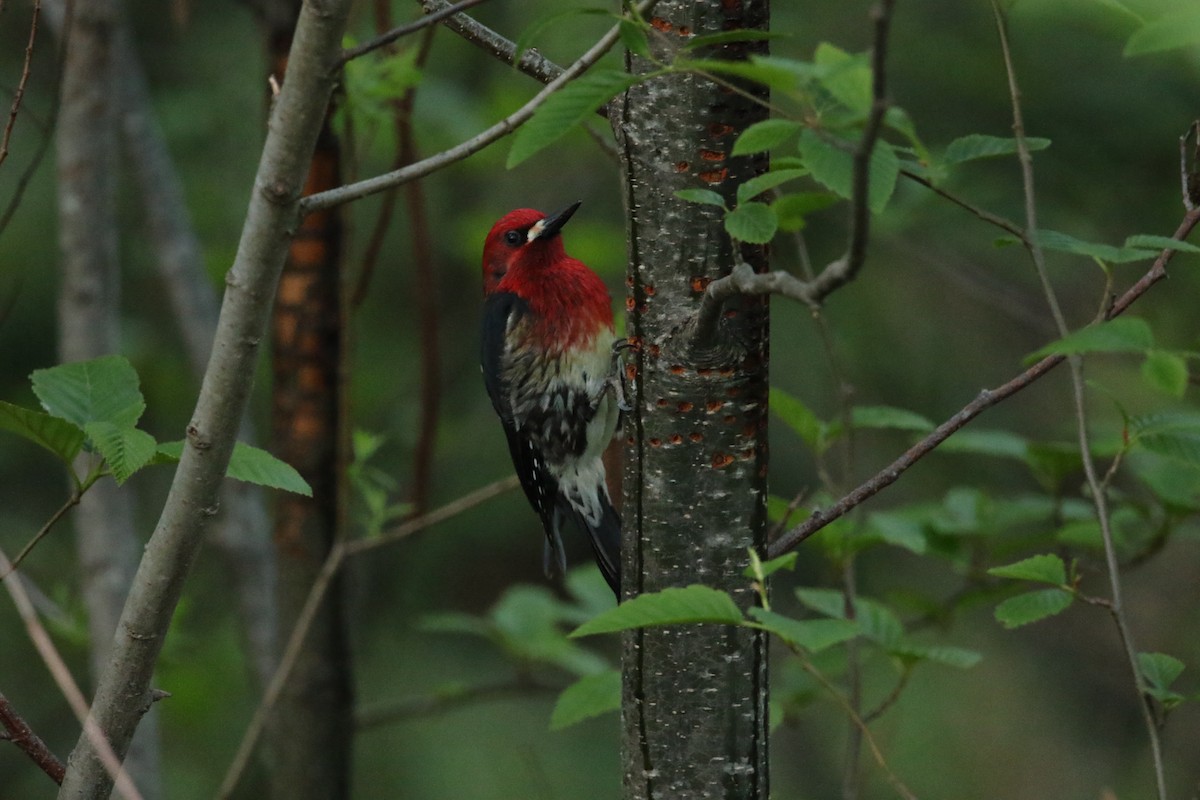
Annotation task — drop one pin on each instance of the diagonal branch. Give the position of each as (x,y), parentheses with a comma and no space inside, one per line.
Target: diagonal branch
(363,188)
(985,400)
(385,39)
(23,736)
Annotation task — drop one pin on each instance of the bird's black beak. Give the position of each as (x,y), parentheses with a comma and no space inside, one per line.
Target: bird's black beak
(551,225)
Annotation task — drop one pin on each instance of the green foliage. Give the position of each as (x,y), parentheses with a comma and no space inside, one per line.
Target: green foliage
(675,606)
(1124,334)
(977,145)
(832,165)
(1046,568)
(1173,30)
(751,222)
(1160,671)
(373,487)
(1032,606)
(96,405)
(535,29)
(590,696)
(566,110)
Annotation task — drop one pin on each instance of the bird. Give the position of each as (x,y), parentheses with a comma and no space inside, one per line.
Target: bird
(550,366)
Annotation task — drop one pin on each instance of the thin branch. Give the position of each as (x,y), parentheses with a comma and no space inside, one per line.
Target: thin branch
(502,128)
(1097,488)
(403,30)
(981,213)
(23,736)
(333,562)
(72,501)
(66,682)
(20,91)
(985,400)
(387,713)
(532,63)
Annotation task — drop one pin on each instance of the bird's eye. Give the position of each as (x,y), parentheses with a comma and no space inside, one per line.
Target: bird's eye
(514,237)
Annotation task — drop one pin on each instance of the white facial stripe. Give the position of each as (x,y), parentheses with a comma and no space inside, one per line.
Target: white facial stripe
(535,230)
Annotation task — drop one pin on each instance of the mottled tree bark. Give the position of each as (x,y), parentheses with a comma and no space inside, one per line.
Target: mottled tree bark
(695,479)
(312,727)
(89,326)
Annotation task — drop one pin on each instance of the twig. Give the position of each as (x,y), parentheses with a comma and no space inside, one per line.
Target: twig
(981,213)
(71,502)
(1099,495)
(743,280)
(20,91)
(65,682)
(333,562)
(23,736)
(985,400)
(532,63)
(403,30)
(502,128)
(398,710)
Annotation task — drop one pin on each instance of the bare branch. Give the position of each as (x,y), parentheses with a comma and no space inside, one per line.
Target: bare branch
(23,736)
(502,128)
(532,63)
(71,502)
(20,91)
(985,400)
(403,30)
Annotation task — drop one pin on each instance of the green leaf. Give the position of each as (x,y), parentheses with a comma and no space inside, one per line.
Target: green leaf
(797,416)
(1032,606)
(691,604)
(847,77)
(984,442)
(833,167)
(1065,243)
(792,209)
(767,181)
(566,109)
(977,145)
(766,568)
(899,531)
(125,450)
(250,465)
(1175,435)
(829,602)
(878,622)
(783,74)
(1147,241)
(590,696)
(946,655)
(56,435)
(1159,669)
(889,417)
(1121,335)
(752,222)
(1175,29)
(764,135)
(813,635)
(103,389)
(633,36)
(1044,568)
(1166,372)
(705,196)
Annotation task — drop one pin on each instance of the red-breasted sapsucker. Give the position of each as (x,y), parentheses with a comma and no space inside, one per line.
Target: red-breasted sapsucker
(548,366)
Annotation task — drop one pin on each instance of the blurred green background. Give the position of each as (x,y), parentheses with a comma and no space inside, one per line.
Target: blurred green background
(937,314)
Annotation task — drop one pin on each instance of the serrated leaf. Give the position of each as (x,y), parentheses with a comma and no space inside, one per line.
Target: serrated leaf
(1032,606)
(690,604)
(1159,669)
(767,181)
(1171,434)
(1121,335)
(125,450)
(1166,372)
(813,635)
(56,435)
(766,568)
(590,696)
(1065,243)
(704,196)
(1147,241)
(833,167)
(847,77)
(1173,30)
(1044,568)
(889,417)
(250,465)
(103,389)
(877,622)
(984,442)
(752,222)
(763,135)
(793,208)
(565,110)
(797,416)
(978,145)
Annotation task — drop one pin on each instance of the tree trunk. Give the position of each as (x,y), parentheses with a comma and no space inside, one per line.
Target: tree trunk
(313,716)
(695,697)
(89,327)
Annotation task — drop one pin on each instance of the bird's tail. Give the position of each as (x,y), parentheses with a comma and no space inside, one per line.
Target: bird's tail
(596,517)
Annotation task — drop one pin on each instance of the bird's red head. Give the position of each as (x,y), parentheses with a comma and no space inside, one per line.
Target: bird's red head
(526,237)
